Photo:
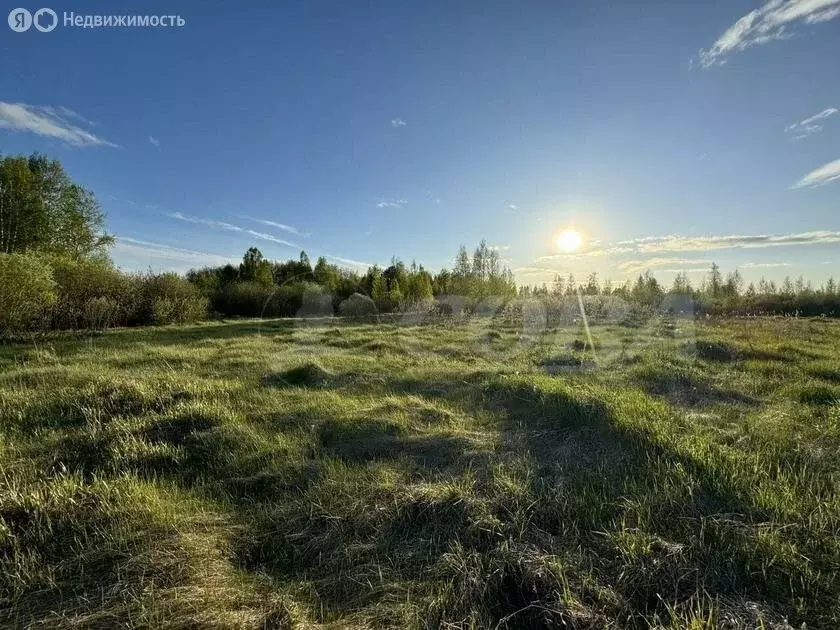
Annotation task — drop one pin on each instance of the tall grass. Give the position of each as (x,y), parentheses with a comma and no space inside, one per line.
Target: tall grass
(302,473)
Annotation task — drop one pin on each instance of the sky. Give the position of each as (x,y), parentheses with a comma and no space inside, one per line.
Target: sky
(669,134)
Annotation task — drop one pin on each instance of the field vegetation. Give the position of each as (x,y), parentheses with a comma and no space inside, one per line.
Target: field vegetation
(481,472)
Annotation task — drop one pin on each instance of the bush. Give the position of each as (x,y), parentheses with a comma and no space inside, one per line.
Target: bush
(27,289)
(316,301)
(92,294)
(100,313)
(358,307)
(246,299)
(251,299)
(168,298)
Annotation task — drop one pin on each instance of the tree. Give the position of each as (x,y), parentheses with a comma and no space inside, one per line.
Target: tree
(558,286)
(592,286)
(41,209)
(647,291)
(734,284)
(326,275)
(681,285)
(715,280)
(379,290)
(255,268)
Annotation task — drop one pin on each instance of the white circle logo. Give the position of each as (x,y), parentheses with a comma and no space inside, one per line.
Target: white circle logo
(20,20)
(45,20)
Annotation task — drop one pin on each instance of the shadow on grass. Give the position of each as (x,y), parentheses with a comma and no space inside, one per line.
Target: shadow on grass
(651,524)
(598,490)
(683,387)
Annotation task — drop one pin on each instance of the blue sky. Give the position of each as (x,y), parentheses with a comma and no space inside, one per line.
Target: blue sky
(670,135)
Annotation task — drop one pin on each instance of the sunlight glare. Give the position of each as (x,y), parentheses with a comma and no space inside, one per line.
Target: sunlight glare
(569,241)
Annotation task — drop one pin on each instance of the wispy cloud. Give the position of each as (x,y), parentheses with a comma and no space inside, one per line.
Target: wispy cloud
(809,126)
(391,203)
(772,21)
(208,222)
(49,122)
(282,226)
(534,271)
(592,251)
(270,237)
(765,265)
(349,261)
(396,123)
(823,175)
(222,225)
(138,254)
(635,266)
(675,243)
(154,141)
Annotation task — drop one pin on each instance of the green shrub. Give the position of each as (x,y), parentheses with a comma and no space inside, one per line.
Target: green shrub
(247,299)
(92,294)
(251,299)
(168,298)
(359,307)
(99,313)
(27,289)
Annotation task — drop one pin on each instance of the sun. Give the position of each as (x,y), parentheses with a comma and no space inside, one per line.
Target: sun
(568,241)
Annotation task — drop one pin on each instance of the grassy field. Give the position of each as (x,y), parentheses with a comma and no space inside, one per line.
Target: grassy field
(309,473)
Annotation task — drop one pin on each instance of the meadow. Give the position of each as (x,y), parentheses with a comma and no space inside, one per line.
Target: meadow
(298,473)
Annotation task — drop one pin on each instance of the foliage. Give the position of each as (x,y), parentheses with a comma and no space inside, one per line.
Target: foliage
(358,307)
(168,298)
(92,294)
(41,209)
(27,289)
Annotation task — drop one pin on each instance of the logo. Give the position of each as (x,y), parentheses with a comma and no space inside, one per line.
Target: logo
(20,20)
(45,20)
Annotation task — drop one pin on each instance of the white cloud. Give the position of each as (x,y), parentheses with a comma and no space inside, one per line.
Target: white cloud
(534,271)
(270,237)
(281,226)
(49,122)
(391,203)
(396,123)
(635,266)
(208,222)
(221,225)
(592,252)
(686,270)
(811,125)
(135,254)
(674,243)
(769,22)
(349,261)
(768,265)
(154,141)
(823,175)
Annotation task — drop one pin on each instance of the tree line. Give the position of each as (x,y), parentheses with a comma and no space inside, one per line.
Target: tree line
(55,273)
(259,287)
(713,295)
